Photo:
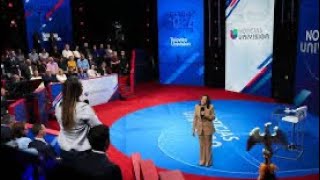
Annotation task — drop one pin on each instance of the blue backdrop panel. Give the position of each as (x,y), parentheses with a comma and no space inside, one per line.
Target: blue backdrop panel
(48,16)
(187,73)
(180,34)
(307,71)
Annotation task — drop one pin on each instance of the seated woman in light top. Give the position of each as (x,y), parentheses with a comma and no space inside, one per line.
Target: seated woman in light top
(75,119)
(61,77)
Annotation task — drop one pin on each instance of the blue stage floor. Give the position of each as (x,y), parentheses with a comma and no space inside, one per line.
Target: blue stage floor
(164,134)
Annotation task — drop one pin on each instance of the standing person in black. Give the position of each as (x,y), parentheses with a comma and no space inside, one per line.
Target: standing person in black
(101,168)
(36,41)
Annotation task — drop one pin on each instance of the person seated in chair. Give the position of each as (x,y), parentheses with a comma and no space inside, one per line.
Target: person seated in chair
(40,144)
(101,166)
(4,103)
(21,140)
(6,128)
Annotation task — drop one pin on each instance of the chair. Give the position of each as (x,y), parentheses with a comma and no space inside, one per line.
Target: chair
(296,117)
(136,158)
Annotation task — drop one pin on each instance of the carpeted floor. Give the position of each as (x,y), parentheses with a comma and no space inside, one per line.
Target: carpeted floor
(152,94)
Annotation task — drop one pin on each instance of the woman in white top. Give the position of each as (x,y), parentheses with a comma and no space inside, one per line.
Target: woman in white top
(75,119)
(61,77)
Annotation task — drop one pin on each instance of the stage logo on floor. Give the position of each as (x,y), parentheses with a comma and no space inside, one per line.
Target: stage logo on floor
(48,16)
(181,45)
(249,46)
(307,69)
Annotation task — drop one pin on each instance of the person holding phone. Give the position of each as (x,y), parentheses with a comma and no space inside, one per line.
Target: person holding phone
(203,125)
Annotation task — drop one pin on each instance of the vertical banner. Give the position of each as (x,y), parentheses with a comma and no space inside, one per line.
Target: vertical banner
(307,69)
(181,41)
(249,46)
(48,16)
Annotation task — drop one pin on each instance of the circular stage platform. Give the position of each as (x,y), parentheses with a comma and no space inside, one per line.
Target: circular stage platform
(163,133)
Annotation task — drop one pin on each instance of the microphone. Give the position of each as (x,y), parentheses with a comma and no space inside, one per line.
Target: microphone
(86,94)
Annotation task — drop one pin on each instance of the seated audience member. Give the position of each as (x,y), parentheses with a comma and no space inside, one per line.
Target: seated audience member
(101,51)
(42,67)
(55,53)
(108,51)
(115,62)
(20,56)
(82,74)
(267,169)
(95,52)
(62,63)
(66,53)
(72,65)
(7,122)
(52,66)
(83,63)
(34,57)
(101,167)
(4,103)
(61,77)
(13,87)
(76,52)
(75,119)
(40,144)
(91,61)
(103,69)
(48,78)
(30,67)
(92,73)
(20,131)
(43,54)
(35,75)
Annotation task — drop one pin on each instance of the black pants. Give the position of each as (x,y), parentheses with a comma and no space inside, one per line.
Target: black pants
(69,156)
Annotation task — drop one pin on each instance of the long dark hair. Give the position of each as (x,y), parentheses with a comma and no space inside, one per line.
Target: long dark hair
(71,91)
(208,101)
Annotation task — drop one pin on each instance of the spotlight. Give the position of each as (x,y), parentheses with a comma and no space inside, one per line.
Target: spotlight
(80,9)
(10,5)
(81,23)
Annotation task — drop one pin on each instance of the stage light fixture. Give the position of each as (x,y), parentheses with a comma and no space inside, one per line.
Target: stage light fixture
(10,5)
(81,23)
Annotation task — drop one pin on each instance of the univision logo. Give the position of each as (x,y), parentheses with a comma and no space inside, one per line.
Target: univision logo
(249,34)
(234,33)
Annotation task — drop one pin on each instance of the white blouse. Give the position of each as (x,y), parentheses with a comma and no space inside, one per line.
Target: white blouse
(76,138)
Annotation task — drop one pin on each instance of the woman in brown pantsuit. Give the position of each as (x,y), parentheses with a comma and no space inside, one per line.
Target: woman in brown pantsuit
(203,126)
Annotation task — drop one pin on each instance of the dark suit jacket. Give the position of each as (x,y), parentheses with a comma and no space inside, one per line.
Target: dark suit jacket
(4,105)
(44,149)
(6,134)
(97,167)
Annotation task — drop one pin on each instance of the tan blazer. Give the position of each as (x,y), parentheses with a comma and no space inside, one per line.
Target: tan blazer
(204,126)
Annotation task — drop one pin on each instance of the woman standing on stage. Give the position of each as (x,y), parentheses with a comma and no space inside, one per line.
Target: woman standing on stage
(203,126)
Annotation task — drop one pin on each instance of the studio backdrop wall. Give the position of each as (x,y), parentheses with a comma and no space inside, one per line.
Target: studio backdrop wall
(48,16)
(249,46)
(181,41)
(307,68)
